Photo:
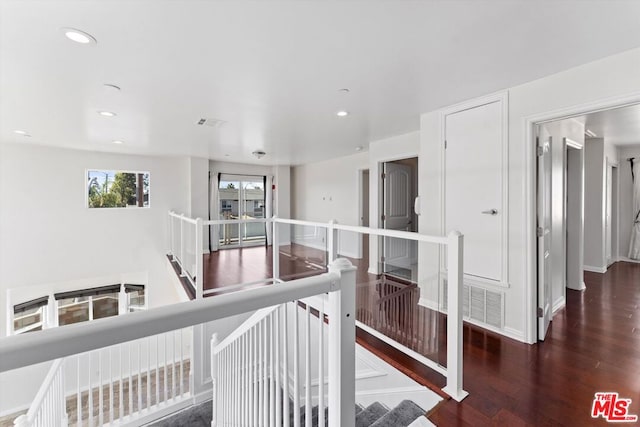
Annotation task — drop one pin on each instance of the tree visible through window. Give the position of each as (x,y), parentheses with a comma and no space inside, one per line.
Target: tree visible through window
(115,189)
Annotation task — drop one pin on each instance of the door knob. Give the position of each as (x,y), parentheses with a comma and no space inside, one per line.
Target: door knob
(491,212)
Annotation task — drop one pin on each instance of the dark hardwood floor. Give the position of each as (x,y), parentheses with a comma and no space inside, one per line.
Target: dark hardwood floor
(593,345)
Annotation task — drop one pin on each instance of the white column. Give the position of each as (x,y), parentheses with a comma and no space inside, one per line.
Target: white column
(275,249)
(454,317)
(342,346)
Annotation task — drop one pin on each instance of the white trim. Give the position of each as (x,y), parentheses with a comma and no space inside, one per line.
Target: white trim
(594,269)
(529,206)
(503,98)
(558,305)
(627,259)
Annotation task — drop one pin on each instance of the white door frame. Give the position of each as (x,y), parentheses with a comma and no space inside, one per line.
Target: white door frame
(615,179)
(529,191)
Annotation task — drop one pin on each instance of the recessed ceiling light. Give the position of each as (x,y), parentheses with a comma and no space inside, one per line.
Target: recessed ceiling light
(21,132)
(107,113)
(226,155)
(79,36)
(342,113)
(344,90)
(117,141)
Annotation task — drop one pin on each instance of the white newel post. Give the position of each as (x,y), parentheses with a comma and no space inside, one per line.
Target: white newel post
(454,317)
(275,249)
(214,378)
(332,241)
(199,259)
(342,346)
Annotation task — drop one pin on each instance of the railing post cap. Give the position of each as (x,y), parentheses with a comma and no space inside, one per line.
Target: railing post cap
(454,233)
(341,264)
(333,221)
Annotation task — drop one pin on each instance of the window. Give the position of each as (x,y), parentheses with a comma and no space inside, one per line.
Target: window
(136,299)
(117,189)
(78,306)
(30,316)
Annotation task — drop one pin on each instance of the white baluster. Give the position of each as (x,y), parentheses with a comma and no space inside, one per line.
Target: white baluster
(139,376)
(241,366)
(256,384)
(120,386)
(214,379)
(90,422)
(276,342)
(111,409)
(265,379)
(261,357)
(157,370)
(307,367)
(181,364)
(275,249)
(78,394)
(173,365)
(100,392)
(321,420)
(272,385)
(165,385)
(296,367)
(285,367)
(130,377)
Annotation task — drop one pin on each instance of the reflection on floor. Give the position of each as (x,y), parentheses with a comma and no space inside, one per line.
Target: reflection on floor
(384,302)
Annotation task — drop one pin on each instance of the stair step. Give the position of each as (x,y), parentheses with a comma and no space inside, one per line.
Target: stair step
(400,416)
(371,414)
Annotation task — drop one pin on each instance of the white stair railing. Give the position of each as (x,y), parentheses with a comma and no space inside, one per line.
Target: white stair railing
(451,245)
(48,408)
(263,368)
(119,383)
(119,352)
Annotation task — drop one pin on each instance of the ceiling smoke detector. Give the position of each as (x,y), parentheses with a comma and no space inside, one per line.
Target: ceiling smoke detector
(259,154)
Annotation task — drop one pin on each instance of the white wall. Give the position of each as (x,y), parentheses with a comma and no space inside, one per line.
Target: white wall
(547,97)
(594,204)
(199,192)
(48,234)
(328,190)
(626,200)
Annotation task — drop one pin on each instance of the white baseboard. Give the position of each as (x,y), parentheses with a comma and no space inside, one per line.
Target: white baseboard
(594,269)
(580,287)
(558,305)
(625,259)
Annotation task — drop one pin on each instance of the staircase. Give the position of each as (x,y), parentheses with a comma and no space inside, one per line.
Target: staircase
(407,413)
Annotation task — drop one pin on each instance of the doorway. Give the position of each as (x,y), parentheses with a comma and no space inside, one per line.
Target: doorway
(399,184)
(241,197)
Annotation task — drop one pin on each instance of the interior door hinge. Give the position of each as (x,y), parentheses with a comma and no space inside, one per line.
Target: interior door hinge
(382,258)
(540,231)
(539,151)
(384,175)
(384,217)
(540,312)
(445,144)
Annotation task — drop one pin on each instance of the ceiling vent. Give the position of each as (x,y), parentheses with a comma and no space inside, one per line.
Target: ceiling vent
(214,123)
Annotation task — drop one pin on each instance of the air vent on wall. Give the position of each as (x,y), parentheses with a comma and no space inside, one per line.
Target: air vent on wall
(214,123)
(479,304)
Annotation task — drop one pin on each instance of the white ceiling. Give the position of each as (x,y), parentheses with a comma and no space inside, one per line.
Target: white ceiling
(272,69)
(619,126)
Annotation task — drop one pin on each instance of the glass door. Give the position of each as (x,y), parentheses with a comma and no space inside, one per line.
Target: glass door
(241,197)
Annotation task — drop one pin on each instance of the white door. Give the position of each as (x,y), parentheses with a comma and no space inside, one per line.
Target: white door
(543,231)
(397,215)
(473,181)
